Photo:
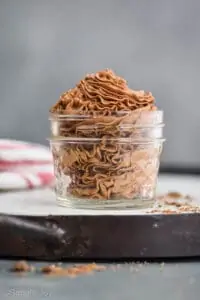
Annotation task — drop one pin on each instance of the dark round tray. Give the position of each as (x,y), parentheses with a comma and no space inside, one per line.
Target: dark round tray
(57,234)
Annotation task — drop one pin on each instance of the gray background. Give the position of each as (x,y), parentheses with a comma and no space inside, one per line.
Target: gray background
(46,46)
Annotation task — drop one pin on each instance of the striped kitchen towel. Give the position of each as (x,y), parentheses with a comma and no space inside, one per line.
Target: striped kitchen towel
(24,165)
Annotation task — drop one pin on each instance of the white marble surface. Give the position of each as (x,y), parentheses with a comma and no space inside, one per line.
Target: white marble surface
(42,202)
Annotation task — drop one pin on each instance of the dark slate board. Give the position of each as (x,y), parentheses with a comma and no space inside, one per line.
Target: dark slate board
(100,236)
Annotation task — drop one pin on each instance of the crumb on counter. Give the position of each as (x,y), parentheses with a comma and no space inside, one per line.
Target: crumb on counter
(72,271)
(175,203)
(22,266)
(57,269)
(51,269)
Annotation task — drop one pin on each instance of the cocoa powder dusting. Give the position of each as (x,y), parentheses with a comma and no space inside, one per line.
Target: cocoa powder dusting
(110,167)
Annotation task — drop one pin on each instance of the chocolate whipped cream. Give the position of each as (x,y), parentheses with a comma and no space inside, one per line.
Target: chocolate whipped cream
(114,161)
(105,93)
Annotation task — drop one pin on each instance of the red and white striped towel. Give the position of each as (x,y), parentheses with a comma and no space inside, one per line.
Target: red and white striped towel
(24,165)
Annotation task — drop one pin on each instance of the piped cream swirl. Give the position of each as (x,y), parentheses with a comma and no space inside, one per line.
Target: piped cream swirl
(103,92)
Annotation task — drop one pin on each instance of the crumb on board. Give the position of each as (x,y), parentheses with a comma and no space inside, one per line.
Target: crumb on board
(174,195)
(175,203)
(22,266)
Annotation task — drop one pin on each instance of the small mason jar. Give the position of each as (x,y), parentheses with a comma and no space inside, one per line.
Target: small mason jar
(107,161)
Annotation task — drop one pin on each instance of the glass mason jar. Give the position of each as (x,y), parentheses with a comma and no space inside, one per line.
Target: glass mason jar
(107,161)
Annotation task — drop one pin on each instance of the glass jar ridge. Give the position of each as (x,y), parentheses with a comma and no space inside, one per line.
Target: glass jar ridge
(107,161)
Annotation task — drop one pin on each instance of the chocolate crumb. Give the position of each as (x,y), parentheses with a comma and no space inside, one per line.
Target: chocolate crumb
(22,266)
(51,269)
(72,271)
(175,203)
(174,195)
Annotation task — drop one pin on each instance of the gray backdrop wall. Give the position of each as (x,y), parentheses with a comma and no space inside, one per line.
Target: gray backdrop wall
(46,46)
